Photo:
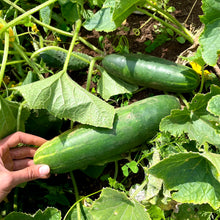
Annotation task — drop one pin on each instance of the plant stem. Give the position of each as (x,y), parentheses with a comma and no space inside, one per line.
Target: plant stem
(202,80)
(116,170)
(5,57)
(14,62)
(60,49)
(61,32)
(91,66)
(76,196)
(26,14)
(19,115)
(171,18)
(184,101)
(166,24)
(29,61)
(77,30)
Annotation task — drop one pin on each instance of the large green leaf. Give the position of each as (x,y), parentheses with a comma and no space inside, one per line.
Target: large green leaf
(191,178)
(111,15)
(196,121)
(109,86)
(64,98)
(48,214)
(211,9)
(214,105)
(8,117)
(113,204)
(210,42)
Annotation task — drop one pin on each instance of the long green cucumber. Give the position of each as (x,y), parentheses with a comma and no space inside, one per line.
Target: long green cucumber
(87,145)
(56,59)
(152,72)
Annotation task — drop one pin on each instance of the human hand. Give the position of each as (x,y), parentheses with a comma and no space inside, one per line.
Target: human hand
(16,164)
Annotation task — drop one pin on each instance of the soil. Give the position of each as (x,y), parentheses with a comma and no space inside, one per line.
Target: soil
(185,13)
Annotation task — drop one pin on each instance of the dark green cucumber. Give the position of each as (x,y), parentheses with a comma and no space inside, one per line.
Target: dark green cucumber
(152,72)
(86,145)
(56,59)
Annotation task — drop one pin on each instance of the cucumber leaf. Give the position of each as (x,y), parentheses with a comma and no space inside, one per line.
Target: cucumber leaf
(211,9)
(45,15)
(197,122)
(191,177)
(64,98)
(49,213)
(214,105)
(111,15)
(210,42)
(113,204)
(109,86)
(8,117)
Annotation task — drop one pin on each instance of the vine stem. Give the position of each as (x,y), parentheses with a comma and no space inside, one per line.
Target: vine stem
(19,115)
(29,61)
(91,67)
(187,37)
(60,49)
(171,18)
(76,32)
(202,80)
(76,196)
(14,62)
(61,32)
(5,57)
(26,14)
(81,199)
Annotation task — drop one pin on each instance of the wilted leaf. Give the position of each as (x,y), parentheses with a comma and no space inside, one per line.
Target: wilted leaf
(109,86)
(8,117)
(49,213)
(64,98)
(113,204)
(191,178)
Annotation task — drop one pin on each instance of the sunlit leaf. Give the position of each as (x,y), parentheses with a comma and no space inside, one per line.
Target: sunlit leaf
(210,42)
(49,213)
(190,177)
(64,98)
(214,105)
(196,121)
(113,204)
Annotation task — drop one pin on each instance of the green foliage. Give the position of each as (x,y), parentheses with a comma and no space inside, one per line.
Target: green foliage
(179,168)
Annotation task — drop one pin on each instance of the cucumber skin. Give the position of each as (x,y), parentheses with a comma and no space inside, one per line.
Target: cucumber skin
(56,59)
(87,145)
(153,72)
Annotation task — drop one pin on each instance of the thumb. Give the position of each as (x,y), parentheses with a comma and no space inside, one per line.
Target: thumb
(30,173)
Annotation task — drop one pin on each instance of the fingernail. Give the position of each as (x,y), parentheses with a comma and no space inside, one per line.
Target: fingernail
(44,170)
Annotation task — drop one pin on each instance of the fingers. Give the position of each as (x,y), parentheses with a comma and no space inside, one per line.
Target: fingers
(21,137)
(21,164)
(30,173)
(22,152)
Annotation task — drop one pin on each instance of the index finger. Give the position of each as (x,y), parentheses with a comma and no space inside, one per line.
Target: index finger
(22,138)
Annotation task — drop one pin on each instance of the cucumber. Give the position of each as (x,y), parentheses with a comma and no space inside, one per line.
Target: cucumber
(87,145)
(152,72)
(56,59)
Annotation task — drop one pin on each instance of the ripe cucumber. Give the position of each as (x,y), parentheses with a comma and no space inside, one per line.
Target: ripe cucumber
(152,72)
(87,145)
(56,58)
